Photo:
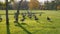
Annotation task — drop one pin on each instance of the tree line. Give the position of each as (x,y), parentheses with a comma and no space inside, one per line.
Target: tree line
(33,4)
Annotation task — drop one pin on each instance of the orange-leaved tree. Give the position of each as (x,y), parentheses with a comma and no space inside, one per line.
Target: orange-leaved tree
(33,4)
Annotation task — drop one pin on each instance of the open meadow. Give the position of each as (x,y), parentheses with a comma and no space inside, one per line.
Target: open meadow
(43,26)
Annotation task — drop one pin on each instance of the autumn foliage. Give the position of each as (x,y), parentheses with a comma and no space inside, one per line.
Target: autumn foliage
(33,4)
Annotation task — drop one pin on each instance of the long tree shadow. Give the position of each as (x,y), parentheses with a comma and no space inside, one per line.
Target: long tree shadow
(18,24)
(8,30)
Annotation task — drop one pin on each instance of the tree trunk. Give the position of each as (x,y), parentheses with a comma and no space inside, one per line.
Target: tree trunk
(7,20)
(18,9)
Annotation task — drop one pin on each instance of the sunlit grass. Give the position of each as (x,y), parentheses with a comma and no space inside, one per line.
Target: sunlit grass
(43,27)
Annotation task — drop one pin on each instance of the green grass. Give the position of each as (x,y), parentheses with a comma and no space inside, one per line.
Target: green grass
(43,27)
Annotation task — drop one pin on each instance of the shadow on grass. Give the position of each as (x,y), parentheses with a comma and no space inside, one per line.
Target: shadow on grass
(18,24)
(8,30)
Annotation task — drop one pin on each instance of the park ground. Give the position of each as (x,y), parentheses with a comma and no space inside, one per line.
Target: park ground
(32,26)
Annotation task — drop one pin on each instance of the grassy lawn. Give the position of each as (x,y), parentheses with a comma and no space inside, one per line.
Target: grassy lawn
(32,26)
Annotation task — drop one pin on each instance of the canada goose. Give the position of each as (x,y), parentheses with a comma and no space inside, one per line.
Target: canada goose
(48,18)
(0,18)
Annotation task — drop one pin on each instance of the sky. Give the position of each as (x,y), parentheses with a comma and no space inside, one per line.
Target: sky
(27,0)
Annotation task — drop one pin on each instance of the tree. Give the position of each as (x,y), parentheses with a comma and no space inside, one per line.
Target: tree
(53,5)
(57,4)
(33,4)
(7,19)
(47,5)
(24,5)
(14,4)
(18,10)
(2,5)
(50,5)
